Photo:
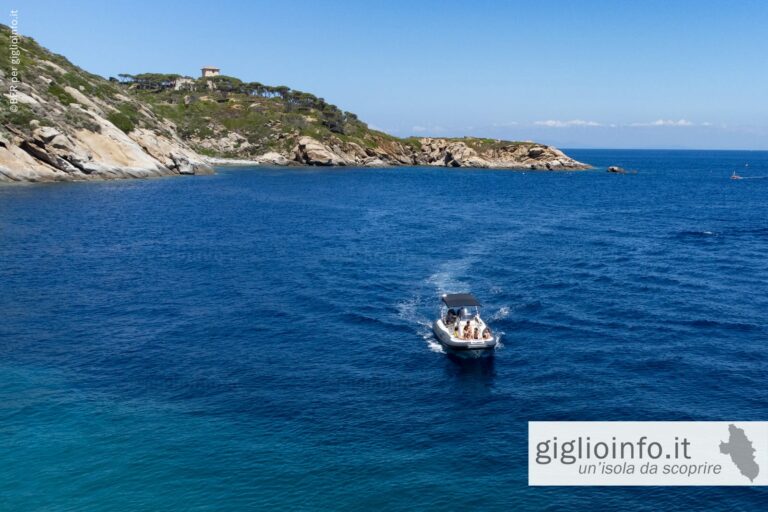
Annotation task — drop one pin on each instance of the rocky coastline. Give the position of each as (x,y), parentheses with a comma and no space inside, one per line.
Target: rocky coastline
(434,152)
(439,152)
(50,153)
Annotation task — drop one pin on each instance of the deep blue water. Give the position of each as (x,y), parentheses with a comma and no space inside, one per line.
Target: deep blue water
(259,339)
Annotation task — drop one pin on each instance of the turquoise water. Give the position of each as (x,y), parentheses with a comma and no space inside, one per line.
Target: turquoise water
(259,339)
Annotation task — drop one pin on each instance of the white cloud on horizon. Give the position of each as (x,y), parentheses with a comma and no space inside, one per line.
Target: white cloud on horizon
(665,122)
(432,130)
(555,123)
(516,129)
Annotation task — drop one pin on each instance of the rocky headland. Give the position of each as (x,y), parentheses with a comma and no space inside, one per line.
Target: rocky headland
(61,123)
(464,152)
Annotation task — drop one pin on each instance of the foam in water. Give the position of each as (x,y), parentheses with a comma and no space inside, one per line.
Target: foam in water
(408,311)
(433,344)
(498,336)
(502,313)
(445,280)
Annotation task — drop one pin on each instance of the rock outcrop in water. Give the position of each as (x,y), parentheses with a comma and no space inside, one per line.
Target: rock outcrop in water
(59,123)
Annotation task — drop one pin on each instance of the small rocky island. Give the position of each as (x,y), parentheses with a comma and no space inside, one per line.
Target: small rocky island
(61,123)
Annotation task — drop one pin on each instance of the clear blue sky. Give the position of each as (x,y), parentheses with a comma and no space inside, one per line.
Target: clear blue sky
(664,74)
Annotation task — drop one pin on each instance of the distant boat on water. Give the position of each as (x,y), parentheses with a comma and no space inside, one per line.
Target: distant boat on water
(735,176)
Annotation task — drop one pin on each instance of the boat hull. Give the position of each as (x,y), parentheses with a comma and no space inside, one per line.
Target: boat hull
(446,338)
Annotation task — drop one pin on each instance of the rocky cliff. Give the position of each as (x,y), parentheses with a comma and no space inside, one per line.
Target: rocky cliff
(58,123)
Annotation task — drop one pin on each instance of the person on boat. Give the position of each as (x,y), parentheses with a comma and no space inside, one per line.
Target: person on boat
(450,317)
(487,334)
(476,333)
(465,334)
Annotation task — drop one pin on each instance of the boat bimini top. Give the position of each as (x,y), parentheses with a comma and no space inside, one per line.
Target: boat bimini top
(460,300)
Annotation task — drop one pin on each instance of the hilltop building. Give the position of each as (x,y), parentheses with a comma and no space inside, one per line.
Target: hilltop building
(209,71)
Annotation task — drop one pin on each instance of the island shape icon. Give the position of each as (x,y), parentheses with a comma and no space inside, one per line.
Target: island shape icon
(739,447)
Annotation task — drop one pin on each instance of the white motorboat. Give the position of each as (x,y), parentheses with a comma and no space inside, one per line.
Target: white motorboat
(460,326)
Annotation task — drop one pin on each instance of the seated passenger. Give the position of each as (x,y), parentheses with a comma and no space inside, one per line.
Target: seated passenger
(476,333)
(487,334)
(465,333)
(450,317)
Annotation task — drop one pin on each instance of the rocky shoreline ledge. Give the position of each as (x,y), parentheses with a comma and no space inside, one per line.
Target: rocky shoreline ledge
(433,152)
(438,152)
(49,154)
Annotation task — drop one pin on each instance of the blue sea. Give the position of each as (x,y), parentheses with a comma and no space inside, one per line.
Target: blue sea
(260,339)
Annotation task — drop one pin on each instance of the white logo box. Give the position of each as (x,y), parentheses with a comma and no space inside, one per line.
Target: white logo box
(648,453)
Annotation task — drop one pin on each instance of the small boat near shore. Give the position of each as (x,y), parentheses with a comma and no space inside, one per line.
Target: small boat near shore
(460,326)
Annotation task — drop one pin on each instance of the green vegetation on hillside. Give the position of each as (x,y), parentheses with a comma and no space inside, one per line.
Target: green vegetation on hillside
(64,97)
(264,118)
(482,145)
